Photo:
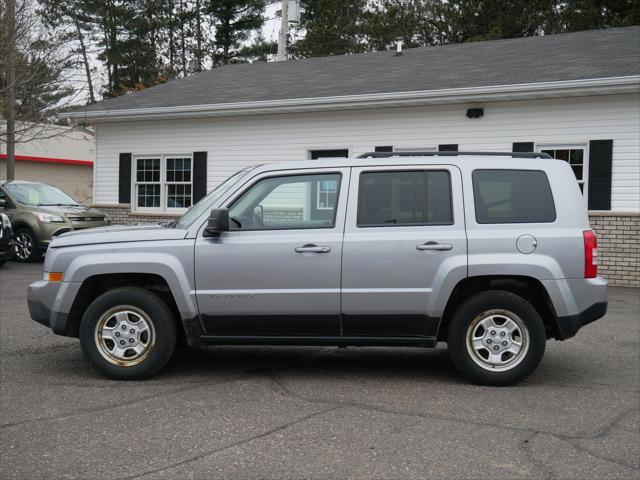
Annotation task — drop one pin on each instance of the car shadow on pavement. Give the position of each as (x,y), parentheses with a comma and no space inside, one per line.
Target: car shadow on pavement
(317,362)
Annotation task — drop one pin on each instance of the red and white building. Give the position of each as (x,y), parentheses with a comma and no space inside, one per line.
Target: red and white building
(60,156)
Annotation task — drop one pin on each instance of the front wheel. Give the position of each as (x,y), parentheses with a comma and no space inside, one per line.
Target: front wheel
(128,333)
(25,246)
(496,338)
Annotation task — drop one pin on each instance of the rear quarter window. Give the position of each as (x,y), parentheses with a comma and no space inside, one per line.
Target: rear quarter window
(512,196)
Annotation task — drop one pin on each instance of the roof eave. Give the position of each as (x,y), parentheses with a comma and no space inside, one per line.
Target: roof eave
(570,88)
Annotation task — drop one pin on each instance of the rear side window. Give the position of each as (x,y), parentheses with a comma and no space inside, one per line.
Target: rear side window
(404,198)
(512,196)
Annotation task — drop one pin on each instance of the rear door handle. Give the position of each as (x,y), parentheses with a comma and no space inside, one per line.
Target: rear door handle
(435,246)
(310,247)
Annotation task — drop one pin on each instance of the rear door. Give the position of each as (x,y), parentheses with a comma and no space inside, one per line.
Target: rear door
(404,242)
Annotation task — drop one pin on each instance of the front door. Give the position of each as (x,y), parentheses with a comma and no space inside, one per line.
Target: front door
(277,271)
(404,238)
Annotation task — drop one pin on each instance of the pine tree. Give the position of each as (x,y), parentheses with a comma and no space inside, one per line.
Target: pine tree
(414,22)
(234,22)
(68,19)
(332,27)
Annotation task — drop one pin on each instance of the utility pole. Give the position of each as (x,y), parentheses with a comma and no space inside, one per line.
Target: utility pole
(283,37)
(10,19)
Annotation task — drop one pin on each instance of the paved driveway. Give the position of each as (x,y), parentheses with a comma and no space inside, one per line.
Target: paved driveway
(247,412)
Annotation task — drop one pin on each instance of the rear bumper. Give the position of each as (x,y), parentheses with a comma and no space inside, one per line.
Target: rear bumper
(576,303)
(6,251)
(569,326)
(6,243)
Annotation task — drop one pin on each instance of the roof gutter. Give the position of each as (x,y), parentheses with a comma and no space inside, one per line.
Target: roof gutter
(595,86)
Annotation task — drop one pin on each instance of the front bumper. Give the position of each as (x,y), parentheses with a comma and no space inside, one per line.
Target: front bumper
(46,306)
(57,321)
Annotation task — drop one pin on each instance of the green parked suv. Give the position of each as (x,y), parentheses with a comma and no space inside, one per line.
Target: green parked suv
(40,212)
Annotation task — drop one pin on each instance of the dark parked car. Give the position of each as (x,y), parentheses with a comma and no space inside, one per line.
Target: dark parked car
(6,239)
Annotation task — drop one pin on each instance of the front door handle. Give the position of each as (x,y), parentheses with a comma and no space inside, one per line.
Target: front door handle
(310,247)
(435,246)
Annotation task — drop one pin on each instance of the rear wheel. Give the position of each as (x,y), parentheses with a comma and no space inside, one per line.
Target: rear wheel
(496,338)
(128,333)
(26,246)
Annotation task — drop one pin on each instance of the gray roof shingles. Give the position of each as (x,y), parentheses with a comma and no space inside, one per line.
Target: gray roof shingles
(581,55)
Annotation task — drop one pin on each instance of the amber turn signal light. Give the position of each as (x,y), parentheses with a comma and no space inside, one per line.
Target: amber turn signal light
(54,276)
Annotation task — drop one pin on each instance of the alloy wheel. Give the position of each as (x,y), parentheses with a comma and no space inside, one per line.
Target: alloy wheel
(497,340)
(125,336)
(23,244)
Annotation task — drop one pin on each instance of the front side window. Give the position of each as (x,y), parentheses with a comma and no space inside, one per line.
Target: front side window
(420,197)
(287,202)
(207,202)
(163,182)
(512,196)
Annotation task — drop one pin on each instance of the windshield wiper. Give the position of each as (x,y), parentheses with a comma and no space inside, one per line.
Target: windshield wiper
(170,224)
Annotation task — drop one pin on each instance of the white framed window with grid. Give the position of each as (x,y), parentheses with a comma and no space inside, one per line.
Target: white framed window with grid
(162,183)
(576,155)
(327,194)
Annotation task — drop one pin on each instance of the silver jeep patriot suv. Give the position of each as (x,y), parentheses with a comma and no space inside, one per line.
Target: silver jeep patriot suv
(491,253)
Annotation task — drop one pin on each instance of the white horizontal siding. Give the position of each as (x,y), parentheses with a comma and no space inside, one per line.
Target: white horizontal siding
(235,142)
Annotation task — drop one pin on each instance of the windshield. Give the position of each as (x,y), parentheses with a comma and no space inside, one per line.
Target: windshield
(205,204)
(38,194)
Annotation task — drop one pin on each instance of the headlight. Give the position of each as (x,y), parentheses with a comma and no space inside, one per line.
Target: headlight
(48,217)
(6,223)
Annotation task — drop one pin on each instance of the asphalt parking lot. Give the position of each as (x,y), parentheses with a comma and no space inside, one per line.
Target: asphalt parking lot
(247,412)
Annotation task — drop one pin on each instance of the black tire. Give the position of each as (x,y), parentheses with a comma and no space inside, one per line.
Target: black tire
(163,326)
(19,254)
(470,315)
(2,262)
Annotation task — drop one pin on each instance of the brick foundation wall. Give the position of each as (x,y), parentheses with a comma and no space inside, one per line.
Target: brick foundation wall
(618,246)
(618,237)
(282,215)
(122,215)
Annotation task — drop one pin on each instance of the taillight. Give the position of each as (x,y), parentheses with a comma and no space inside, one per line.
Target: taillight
(590,254)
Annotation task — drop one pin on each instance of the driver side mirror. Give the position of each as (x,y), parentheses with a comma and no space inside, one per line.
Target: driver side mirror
(218,222)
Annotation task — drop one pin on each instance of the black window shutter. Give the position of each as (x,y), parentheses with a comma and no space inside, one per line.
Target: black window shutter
(600,163)
(387,148)
(449,147)
(199,175)
(124,178)
(522,147)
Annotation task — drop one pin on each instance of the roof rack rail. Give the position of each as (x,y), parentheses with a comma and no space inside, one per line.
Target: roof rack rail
(453,154)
